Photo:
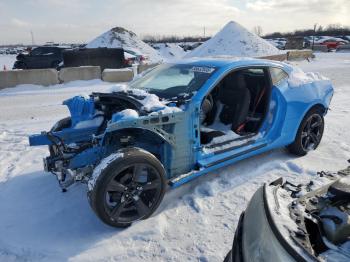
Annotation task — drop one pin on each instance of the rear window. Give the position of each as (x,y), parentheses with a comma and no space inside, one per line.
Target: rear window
(277,75)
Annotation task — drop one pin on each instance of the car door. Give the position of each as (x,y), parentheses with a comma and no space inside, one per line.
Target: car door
(231,148)
(47,57)
(32,59)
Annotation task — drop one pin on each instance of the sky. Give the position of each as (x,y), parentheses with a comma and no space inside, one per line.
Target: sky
(79,21)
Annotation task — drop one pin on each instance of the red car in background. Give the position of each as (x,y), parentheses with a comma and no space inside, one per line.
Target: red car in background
(332,44)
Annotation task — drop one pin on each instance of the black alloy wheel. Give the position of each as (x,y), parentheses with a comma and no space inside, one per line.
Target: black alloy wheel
(131,194)
(128,189)
(309,133)
(312,132)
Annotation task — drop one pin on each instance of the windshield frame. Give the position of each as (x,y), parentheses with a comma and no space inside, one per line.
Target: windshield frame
(202,73)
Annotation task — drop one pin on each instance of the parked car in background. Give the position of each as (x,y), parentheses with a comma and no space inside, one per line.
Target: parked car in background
(304,222)
(132,57)
(11,51)
(280,43)
(40,57)
(333,43)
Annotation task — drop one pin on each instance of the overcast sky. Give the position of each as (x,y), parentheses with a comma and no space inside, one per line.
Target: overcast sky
(81,20)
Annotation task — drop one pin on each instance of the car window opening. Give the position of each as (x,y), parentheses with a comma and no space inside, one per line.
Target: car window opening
(236,107)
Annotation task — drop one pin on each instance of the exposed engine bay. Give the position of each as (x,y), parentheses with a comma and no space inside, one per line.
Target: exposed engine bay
(76,139)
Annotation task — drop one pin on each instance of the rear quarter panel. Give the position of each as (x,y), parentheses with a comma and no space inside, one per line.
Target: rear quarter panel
(299,100)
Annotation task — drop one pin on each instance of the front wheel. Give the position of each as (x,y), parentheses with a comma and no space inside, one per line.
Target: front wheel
(127,186)
(309,133)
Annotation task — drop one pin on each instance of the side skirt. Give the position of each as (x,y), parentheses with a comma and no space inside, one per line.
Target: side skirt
(182,179)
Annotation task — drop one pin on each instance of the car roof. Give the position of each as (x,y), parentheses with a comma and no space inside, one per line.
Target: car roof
(230,62)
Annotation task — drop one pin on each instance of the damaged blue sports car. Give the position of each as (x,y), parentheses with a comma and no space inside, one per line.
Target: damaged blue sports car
(177,122)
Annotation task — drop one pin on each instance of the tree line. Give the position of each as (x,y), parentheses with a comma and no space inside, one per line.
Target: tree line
(319,30)
(173,39)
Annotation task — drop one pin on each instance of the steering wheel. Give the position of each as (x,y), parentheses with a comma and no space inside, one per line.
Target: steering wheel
(206,107)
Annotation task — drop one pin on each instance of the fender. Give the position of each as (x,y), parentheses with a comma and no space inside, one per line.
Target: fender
(152,123)
(161,134)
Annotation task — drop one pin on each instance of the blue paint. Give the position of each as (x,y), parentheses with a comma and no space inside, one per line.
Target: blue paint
(176,142)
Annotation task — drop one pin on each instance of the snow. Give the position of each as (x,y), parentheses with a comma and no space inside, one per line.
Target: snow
(299,77)
(126,114)
(119,37)
(100,167)
(97,121)
(195,222)
(150,102)
(234,40)
(7,61)
(169,51)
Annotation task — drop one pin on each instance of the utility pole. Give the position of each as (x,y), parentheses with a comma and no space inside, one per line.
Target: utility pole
(313,37)
(32,35)
(204,32)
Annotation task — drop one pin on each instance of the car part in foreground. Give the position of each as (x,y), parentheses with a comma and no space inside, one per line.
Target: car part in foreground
(305,222)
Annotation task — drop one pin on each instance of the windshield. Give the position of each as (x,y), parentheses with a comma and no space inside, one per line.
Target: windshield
(169,80)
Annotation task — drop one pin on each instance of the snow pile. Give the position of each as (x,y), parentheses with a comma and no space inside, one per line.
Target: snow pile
(169,51)
(150,102)
(298,77)
(126,114)
(234,40)
(119,37)
(97,121)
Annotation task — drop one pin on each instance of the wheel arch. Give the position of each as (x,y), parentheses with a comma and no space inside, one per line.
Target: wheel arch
(314,106)
(142,138)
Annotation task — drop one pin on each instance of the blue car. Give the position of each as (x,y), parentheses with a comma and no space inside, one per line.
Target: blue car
(177,122)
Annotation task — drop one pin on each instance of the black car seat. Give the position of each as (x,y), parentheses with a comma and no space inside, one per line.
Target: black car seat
(235,96)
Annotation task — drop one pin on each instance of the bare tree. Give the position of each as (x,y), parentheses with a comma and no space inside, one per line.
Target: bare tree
(258,30)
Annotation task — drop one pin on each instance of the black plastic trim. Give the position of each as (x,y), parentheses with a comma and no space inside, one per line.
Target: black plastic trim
(236,155)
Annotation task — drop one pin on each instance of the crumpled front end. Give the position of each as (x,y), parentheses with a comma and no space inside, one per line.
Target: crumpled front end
(98,126)
(72,141)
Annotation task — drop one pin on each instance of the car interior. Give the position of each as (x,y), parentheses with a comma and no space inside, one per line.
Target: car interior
(237,105)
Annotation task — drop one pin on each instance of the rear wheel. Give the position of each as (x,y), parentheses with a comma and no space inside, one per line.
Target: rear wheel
(129,188)
(309,133)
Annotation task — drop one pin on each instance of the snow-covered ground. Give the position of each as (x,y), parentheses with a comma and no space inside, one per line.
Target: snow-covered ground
(195,222)
(7,61)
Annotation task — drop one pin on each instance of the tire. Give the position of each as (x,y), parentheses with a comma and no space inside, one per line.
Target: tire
(309,133)
(126,187)
(61,124)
